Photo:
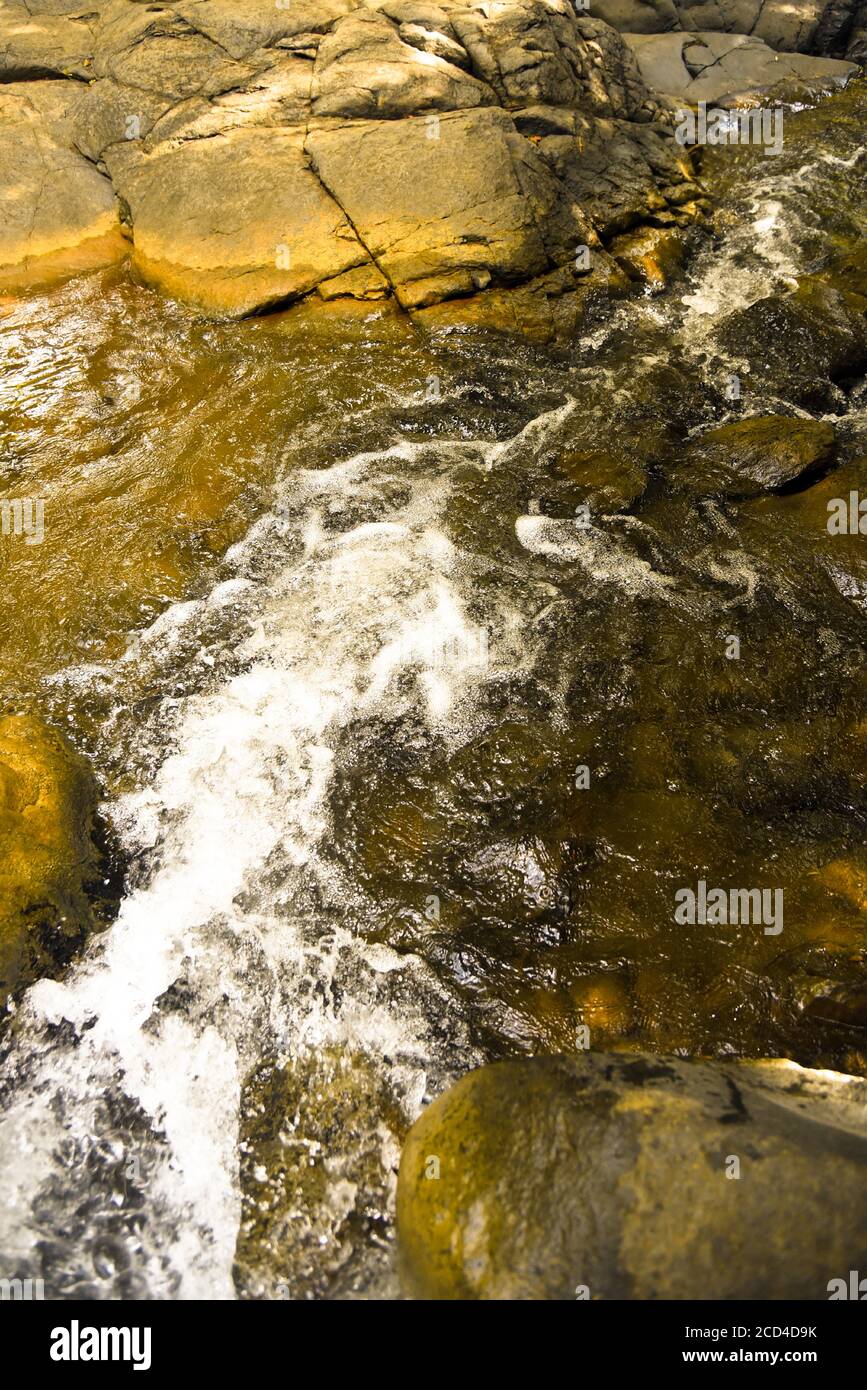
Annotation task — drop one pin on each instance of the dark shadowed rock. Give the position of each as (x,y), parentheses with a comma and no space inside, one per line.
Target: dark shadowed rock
(795,344)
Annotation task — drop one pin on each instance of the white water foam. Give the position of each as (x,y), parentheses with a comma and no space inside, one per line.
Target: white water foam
(339,634)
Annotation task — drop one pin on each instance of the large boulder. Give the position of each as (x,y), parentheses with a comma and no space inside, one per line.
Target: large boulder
(761,454)
(236,223)
(365,68)
(538,53)
(459,159)
(47,856)
(449,216)
(635,1177)
(793,26)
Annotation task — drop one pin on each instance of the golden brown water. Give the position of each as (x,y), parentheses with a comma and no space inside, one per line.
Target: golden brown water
(430,776)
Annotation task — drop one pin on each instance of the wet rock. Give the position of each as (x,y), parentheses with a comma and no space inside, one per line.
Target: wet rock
(795,344)
(47,855)
(611,1176)
(654,255)
(604,1007)
(59,213)
(319,1137)
(718,68)
(604,482)
(623,174)
(761,454)
(847,879)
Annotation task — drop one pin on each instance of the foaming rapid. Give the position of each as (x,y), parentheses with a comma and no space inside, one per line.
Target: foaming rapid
(370,618)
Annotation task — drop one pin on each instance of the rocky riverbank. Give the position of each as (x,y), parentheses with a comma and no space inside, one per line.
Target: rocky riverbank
(471,163)
(408,677)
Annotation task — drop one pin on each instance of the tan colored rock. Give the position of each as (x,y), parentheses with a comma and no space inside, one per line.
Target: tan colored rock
(363,68)
(612,1176)
(45,45)
(450,215)
(153,50)
(539,53)
(243,26)
(234,223)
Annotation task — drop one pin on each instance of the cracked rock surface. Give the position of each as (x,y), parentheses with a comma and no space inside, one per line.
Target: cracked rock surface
(453,157)
(831,27)
(715,67)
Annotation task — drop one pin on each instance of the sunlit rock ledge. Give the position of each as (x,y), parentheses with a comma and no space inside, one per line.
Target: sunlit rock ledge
(466,162)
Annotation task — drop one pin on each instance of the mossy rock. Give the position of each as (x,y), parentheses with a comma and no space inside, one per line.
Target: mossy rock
(614,1176)
(761,454)
(48,800)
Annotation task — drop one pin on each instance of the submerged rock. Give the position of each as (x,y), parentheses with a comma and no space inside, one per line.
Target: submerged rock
(760,454)
(320,1136)
(636,1177)
(797,344)
(47,854)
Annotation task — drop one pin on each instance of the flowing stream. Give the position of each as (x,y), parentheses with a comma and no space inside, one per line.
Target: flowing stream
(315,603)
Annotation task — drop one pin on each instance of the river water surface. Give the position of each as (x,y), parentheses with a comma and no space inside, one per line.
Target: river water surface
(403,766)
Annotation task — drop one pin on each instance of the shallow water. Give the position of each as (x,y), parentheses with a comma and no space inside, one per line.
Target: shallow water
(313,599)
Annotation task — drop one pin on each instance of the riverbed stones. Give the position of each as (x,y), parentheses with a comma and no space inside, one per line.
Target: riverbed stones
(47,856)
(653,255)
(614,1176)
